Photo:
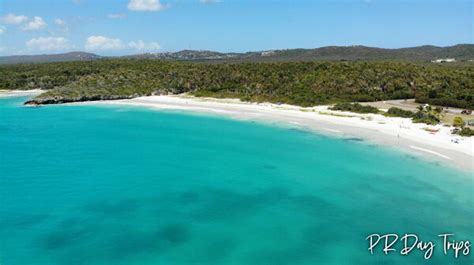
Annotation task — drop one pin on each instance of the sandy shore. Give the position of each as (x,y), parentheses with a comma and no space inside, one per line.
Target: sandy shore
(19,93)
(378,129)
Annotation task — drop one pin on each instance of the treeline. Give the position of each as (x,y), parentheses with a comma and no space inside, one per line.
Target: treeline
(299,83)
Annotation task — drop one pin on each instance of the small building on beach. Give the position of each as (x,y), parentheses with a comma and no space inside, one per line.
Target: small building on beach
(446,60)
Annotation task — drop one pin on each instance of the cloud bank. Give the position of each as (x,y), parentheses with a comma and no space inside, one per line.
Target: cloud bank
(47,43)
(14,19)
(36,23)
(103,43)
(145,5)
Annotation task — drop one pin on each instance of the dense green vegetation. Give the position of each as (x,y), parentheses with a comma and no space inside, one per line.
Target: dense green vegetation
(299,83)
(466,132)
(397,112)
(427,118)
(354,107)
(428,115)
(460,129)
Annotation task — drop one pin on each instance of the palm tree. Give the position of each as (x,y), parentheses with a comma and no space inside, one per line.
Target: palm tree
(438,112)
(420,108)
(429,109)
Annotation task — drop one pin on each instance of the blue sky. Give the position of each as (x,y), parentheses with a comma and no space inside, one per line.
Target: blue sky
(116,27)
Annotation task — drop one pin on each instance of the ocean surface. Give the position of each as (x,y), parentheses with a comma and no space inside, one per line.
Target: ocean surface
(126,185)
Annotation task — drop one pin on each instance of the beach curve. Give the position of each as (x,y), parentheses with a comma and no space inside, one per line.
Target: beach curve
(396,132)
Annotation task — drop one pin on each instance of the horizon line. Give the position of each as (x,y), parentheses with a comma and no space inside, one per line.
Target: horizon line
(226,52)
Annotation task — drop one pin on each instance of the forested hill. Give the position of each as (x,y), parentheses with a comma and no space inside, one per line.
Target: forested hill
(298,83)
(461,52)
(47,58)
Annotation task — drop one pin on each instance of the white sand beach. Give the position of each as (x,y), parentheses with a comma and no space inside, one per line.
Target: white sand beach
(18,93)
(397,132)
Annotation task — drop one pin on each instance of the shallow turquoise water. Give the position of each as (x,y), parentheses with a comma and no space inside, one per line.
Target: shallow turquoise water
(125,185)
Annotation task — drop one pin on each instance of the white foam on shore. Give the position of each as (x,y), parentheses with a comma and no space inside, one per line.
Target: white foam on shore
(332,130)
(430,151)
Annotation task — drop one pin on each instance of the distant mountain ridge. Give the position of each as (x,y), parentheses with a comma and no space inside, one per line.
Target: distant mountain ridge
(460,52)
(48,58)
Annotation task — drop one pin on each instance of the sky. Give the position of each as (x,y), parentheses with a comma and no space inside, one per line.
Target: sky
(118,27)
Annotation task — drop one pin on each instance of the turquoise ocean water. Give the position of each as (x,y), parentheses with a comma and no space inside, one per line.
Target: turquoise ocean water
(126,185)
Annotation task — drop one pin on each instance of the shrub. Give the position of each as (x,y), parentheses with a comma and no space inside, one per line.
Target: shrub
(422,117)
(467,132)
(458,122)
(396,112)
(354,107)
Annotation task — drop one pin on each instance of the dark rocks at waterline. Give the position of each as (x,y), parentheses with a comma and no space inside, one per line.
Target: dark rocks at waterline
(61,100)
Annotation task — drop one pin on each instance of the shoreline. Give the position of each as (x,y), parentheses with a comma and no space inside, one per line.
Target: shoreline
(396,132)
(20,93)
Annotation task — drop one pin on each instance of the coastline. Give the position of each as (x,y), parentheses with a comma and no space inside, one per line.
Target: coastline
(396,132)
(20,93)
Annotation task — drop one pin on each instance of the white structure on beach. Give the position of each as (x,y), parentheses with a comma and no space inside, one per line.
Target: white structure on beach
(447,60)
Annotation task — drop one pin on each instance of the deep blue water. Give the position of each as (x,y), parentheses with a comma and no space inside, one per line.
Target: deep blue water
(126,185)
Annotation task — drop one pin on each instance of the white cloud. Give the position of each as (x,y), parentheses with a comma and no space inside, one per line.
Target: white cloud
(14,19)
(35,24)
(47,43)
(144,46)
(116,16)
(145,5)
(103,43)
(59,22)
(62,24)
(2,29)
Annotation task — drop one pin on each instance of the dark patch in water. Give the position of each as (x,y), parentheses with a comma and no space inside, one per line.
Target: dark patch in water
(71,222)
(21,221)
(132,242)
(88,243)
(68,233)
(269,167)
(174,234)
(435,163)
(99,239)
(188,197)
(414,183)
(223,204)
(316,206)
(112,209)
(353,139)
(411,157)
(300,130)
(129,244)
(312,246)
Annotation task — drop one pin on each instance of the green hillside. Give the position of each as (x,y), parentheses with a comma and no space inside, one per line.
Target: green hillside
(300,83)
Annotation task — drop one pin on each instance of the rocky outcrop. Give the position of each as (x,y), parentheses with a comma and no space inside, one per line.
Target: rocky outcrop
(61,99)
